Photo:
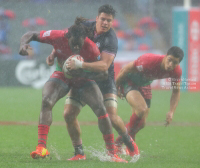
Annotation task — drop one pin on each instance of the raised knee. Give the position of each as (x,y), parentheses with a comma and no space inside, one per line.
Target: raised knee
(47,102)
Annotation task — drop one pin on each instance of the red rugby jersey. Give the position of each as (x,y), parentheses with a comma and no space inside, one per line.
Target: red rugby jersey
(149,68)
(57,39)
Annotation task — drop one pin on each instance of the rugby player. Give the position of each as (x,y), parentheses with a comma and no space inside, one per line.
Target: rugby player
(106,40)
(133,83)
(67,43)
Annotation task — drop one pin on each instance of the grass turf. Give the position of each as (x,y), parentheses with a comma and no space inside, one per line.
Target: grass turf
(174,146)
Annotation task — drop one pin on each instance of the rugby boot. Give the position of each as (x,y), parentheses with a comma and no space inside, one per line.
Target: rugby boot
(134,154)
(78,154)
(116,158)
(40,152)
(78,157)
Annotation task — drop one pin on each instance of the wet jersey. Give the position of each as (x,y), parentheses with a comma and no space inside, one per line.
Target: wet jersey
(106,42)
(148,68)
(59,41)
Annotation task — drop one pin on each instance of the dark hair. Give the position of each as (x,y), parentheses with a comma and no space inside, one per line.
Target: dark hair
(108,9)
(79,29)
(177,52)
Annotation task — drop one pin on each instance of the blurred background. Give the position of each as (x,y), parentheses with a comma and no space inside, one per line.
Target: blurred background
(141,26)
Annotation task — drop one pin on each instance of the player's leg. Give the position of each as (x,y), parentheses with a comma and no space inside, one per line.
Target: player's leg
(53,90)
(139,116)
(73,106)
(92,96)
(108,88)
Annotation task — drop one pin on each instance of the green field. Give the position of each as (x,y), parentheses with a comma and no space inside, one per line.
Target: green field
(176,146)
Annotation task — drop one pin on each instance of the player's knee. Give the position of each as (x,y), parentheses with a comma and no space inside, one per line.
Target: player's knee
(142,111)
(100,110)
(47,102)
(69,116)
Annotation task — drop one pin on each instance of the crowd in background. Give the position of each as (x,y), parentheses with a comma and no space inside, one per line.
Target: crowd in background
(137,29)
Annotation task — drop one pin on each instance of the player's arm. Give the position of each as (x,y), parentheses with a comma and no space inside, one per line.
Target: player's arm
(97,76)
(173,101)
(51,57)
(24,42)
(129,68)
(99,66)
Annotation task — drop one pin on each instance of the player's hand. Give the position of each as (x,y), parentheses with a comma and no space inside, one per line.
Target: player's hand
(119,92)
(169,117)
(74,64)
(25,49)
(50,58)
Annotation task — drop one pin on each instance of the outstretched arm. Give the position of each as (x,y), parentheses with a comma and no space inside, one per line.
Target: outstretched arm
(173,102)
(129,68)
(24,42)
(51,57)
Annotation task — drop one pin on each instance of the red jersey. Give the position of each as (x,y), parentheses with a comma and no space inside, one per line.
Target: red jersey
(149,68)
(59,41)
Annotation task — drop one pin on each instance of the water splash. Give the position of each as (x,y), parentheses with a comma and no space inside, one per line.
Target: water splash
(101,154)
(54,151)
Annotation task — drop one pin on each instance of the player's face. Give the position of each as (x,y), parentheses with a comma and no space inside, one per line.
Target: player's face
(171,62)
(103,23)
(76,44)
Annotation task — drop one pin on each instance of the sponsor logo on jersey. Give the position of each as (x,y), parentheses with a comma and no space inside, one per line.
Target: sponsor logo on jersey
(98,44)
(139,68)
(47,33)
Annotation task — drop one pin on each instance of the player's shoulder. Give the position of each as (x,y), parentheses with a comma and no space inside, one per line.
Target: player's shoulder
(89,43)
(89,23)
(177,70)
(151,56)
(90,46)
(111,34)
(46,33)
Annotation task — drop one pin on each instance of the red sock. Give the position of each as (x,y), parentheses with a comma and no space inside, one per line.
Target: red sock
(109,140)
(42,135)
(119,141)
(133,124)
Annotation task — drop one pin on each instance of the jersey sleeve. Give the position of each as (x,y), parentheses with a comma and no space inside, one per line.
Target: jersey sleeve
(110,45)
(51,36)
(142,63)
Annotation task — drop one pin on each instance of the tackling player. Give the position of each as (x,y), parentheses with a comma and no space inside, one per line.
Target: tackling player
(105,38)
(133,83)
(66,44)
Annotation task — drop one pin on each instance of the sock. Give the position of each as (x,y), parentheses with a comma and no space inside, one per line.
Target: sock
(42,135)
(109,140)
(79,149)
(119,141)
(126,138)
(133,124)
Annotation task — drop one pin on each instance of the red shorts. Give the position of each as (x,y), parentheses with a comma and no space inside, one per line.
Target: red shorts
(73,82)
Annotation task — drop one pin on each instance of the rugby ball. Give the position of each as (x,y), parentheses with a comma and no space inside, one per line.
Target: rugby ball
(66,71)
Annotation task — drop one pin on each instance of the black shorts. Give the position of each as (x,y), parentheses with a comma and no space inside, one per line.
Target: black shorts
(145,92)
(108,86)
